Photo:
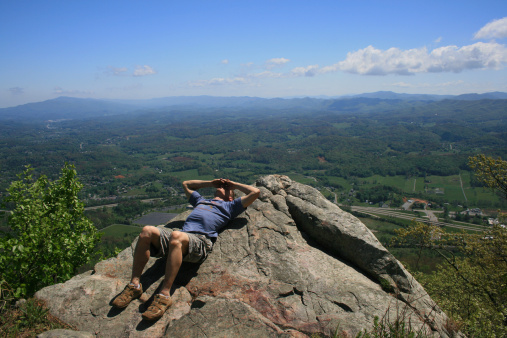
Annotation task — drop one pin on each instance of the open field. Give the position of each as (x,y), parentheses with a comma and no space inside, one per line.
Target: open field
(439,188)
(443,187)
(120,230)
(191,174)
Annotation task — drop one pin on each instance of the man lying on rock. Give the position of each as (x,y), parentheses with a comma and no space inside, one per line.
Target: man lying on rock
(192,244)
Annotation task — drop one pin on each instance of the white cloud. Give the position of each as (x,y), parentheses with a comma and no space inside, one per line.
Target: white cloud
(305,71)
(61,91)
(438,40)
(276,62)
(477,56)
(143,71)
(16,90)
(403,84)
(496,29)
(428,85)
(117,71)
(225,62)
(266,74)
(372,61)
(238,80)
(219,81)
(450,84)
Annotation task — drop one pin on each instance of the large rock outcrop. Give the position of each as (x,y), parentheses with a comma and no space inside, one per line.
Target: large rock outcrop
(294,264)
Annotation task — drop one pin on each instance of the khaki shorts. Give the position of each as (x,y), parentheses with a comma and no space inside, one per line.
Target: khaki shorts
(199,246)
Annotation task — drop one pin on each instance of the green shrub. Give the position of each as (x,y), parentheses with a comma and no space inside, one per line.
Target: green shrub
(49,237)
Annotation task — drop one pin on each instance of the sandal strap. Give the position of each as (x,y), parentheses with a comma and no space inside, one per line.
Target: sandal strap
(161,302)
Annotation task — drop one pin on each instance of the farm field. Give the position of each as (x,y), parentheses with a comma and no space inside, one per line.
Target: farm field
(120,230)
(441,187)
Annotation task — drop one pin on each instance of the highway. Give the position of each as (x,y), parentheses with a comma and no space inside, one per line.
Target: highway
(432,219)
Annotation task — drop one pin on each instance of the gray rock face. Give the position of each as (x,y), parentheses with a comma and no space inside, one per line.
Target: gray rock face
(292,265)
(65,333)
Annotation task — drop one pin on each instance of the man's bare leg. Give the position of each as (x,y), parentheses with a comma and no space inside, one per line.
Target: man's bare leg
(149,235)
(178,247)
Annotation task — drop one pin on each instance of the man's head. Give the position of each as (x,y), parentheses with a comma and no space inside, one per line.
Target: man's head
(224,193)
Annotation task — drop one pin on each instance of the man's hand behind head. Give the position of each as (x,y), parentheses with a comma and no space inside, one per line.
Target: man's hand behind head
(218,183)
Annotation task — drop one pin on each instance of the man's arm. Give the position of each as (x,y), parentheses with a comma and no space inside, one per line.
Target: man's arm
(252,193)
(190,186)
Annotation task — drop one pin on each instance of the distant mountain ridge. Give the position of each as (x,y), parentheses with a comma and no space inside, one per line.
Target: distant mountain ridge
(79,108)
(430,97)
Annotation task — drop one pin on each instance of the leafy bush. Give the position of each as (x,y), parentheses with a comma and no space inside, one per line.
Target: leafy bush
(49,237)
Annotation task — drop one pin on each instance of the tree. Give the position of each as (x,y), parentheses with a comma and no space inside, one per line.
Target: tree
(471,286)
(491,172)
(49,236)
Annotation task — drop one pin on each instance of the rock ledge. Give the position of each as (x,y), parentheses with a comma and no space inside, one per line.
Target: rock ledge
(294,264)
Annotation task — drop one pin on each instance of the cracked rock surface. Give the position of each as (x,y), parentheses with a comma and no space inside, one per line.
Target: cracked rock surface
(292,265)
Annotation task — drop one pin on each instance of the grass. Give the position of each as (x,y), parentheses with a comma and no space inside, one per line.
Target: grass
(28,320)
(399,182)
(385,232)
(120,230)
(449,185)
(203,158)
(299,177)
(135,192)
(191,174)
(408,186)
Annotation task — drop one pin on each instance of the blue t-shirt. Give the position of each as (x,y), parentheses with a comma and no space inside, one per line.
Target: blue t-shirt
(210,216)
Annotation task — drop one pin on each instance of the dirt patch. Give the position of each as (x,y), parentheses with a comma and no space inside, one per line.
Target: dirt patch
(405,200)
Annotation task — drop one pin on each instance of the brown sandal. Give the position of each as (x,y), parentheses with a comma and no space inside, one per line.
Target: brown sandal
(127,295)
(158,307)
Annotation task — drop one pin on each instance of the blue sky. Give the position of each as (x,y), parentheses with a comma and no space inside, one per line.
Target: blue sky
(276,48)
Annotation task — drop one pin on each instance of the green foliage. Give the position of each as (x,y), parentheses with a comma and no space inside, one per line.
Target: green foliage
(386,286)
(49,236)
(383,328)
(6,295)
(491,172)
(378,193)
(120,157)
(28,319)
(471,287)
(130,209)
(32,314)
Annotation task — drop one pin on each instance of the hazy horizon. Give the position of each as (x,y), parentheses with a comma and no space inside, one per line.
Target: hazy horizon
(268,49)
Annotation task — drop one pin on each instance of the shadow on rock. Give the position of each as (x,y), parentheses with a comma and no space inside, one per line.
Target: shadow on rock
(174,224)
(153,273)
(237,223)
(145,324)
(113,312)
(186,273)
